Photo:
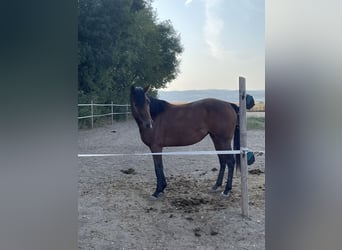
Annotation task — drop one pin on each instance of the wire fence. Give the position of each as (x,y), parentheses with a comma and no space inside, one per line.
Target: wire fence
(92,111)
(96,110)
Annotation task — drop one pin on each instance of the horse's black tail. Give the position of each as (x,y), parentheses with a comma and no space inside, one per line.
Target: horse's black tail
(237,137)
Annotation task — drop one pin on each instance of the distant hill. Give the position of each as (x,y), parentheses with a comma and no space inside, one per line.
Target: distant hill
(193,95)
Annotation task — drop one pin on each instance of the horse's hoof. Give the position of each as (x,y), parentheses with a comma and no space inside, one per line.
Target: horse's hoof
(225,195)
(153,198)
(214,189)
(157,196)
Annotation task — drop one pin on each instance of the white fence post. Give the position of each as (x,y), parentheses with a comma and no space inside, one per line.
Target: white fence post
(243,145)
(112,113)
(126,112)
(92,113)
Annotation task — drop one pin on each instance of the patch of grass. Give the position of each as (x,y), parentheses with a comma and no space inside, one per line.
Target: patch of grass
(255,123)
(258,107)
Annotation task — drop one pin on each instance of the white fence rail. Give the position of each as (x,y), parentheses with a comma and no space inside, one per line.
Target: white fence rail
(112,113)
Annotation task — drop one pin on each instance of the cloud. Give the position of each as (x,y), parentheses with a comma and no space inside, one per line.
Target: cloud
(256,6)
(213,28)
(188,2)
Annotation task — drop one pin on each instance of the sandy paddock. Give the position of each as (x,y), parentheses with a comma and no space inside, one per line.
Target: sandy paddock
(115,211)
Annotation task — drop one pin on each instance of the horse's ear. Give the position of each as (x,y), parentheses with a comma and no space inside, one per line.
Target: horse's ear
(132,88)
(146,88)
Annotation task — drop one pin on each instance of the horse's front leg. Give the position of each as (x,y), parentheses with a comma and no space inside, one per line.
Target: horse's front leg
(158,167)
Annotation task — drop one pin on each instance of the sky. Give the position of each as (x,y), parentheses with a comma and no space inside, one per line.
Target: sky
(222,40)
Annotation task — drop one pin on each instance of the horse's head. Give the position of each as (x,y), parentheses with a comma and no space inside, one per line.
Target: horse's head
(140,104)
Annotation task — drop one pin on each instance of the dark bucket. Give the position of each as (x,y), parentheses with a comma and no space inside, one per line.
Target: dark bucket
(249,101)
(250,158)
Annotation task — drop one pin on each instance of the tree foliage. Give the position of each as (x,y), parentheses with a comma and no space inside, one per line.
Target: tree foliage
(121,43)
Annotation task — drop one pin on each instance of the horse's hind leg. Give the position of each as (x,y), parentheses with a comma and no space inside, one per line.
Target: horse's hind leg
(223,162)
(220,144)
(231,163)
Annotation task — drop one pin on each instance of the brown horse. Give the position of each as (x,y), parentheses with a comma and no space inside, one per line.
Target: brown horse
(162,124)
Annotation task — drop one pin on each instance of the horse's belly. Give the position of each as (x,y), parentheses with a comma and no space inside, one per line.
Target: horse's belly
(184,137)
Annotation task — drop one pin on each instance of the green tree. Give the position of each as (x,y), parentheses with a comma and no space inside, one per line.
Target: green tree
(120,44)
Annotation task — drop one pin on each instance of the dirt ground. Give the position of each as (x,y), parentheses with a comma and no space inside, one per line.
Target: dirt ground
(115,210)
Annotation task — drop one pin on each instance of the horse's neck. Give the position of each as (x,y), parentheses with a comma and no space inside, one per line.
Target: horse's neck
(146,135)
(157,107)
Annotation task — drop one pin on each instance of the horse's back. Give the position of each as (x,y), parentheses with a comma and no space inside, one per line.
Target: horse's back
(208,108)
(216,107)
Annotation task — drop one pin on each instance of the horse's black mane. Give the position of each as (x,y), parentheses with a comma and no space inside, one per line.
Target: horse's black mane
(157,106)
